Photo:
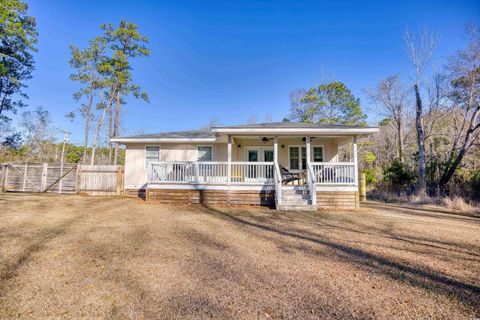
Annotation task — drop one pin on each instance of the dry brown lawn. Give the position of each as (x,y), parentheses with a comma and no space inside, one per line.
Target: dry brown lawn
(83,257)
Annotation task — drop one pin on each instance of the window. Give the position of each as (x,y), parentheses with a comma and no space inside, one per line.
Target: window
(317,154)
(294,158)
(152,153)
(205,153)
(299,161)
(304,158)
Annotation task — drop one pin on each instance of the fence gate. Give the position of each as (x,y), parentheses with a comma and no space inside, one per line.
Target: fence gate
(39,177)
(100,180)
(67,178)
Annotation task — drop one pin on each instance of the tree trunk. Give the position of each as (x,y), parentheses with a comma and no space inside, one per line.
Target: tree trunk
(401,152)
(453,164)
(87,125)
(422,162)
(116,127)
(110,135)
(94,144)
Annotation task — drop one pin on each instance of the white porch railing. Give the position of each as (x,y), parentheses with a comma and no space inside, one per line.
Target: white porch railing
(334,172)
(210,172)
(245,172)
(312,185)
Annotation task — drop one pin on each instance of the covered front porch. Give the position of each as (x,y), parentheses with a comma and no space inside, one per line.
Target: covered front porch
(276,165)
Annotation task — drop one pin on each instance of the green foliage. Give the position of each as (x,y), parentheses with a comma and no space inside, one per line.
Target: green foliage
(398,175)
(475,183)
(125,42)
(73,153)
(385,122)
(370,176)
(13,141)
(18,36)
(334,103)
(86,63)
(369,157)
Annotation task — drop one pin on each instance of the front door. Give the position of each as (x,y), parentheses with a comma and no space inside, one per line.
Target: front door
(258,154)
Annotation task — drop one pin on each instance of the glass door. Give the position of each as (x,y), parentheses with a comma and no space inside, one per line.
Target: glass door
(251,172)
(268,157)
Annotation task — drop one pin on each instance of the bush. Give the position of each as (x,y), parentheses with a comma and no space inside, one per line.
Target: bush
(475,183)
(370,176)
(398,176)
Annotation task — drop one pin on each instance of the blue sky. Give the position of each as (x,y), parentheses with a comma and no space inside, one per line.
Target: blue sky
(236,59)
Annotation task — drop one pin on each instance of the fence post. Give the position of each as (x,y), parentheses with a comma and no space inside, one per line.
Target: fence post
(4,175)
(78,178)
(363,187)
(61,180)
(24,177)
(119,180)
(44,176)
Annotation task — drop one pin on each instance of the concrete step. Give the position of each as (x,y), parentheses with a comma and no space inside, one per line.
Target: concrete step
(290,192)
(296,207)
(295,196)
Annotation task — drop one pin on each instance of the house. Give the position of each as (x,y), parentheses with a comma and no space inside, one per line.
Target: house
(286,165)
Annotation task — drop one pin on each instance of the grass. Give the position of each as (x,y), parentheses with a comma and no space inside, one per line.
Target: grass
(455,203)
(85,257)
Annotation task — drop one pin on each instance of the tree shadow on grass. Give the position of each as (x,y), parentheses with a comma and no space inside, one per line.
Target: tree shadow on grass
(39,242)
(424,212)
(426,279)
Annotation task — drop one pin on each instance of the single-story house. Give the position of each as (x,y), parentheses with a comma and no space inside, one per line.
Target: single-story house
(284,164)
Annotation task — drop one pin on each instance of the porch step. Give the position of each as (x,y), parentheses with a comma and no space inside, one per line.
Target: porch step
(296,207)
(297,198)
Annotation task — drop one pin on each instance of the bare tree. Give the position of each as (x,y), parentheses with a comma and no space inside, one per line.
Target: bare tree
(300,111)
(420,49)
(391,95)
(36,127)
(252,119)
(465,74)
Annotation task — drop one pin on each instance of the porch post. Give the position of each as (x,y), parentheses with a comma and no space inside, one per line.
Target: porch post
(278,185)
(355,161)
(275,149)
(307,142)
(307,145)
(229,159)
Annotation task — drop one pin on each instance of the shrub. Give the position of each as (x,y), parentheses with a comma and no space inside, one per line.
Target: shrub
(475,183)
(370,176)
(398,175)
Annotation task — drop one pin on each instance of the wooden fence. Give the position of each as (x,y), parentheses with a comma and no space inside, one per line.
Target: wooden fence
(101,179)
(65,179)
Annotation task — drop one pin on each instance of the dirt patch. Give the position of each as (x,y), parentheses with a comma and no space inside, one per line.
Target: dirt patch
(97,257)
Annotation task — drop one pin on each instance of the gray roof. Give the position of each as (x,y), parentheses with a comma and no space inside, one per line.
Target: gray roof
(200,133)
(207,132)
(300,125)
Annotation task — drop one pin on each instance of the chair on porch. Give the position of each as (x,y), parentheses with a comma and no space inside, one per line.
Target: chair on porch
(288,176)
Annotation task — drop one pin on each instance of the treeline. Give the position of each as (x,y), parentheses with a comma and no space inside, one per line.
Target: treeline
(103,70)
(429,141)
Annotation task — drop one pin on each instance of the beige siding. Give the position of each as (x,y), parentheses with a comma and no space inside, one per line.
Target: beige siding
(239,153)
(136,173)
(135,170)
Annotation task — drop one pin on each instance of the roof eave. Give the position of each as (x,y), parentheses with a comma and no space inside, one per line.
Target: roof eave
(296,131)
(158,140)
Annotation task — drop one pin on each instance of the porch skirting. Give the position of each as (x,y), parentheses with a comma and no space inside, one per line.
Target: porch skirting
(213,197)
(338,199)
(254,195)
